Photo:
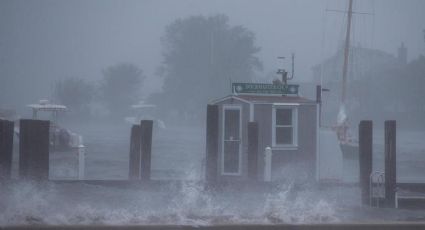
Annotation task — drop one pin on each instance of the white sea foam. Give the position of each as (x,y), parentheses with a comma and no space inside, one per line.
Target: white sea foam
(289,206)
(185,203)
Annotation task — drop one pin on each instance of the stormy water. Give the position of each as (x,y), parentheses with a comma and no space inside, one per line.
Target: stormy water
(178,161)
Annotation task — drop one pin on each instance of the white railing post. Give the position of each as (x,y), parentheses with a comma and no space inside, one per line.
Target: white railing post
(268,164)
(81,158)
(396,199)
(371,189)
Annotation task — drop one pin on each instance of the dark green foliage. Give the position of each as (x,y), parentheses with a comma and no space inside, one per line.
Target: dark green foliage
(75,93)
(202,55)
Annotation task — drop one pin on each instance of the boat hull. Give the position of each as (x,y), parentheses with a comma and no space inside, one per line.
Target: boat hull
(349,151)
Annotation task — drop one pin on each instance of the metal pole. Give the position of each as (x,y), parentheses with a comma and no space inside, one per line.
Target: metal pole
(346,52)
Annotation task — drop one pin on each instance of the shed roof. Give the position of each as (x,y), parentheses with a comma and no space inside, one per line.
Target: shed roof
(267,99)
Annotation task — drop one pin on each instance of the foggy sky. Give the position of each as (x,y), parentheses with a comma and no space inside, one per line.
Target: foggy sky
(44,40)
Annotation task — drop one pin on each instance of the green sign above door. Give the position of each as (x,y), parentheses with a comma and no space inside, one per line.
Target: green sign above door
(260,88)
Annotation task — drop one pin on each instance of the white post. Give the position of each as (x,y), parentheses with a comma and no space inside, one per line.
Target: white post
(268,164)
(396,199)
(318,142)
(81,158)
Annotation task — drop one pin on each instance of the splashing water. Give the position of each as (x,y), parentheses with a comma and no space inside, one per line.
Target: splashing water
(186,202)
(25,203)
(192,204)
(289,206)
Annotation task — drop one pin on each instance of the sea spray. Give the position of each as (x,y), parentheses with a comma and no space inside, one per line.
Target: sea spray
(293,206)
(27,202)
(192,204)
(180,202)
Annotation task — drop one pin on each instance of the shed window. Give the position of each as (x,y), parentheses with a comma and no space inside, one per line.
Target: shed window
(284,126)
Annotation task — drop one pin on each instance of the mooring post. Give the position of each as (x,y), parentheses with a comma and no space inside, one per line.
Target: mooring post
(135,154)
(390,162)
(81,158)
(365,158)
(146,149)
(211,160)
(252,150)
(34,149)
(6,149)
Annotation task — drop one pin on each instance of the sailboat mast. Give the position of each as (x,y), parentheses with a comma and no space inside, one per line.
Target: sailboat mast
(346,53)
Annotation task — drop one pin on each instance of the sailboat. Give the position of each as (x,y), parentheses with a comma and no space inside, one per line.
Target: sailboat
(349,147)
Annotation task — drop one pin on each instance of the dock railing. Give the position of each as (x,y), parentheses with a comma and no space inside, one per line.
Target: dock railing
(377,187)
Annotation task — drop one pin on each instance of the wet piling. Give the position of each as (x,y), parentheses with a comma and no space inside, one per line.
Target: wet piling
(365,158)
(146,127)
(135,144)
(34,149)
(211,163)
(253,150)
(390,162)
(6,149)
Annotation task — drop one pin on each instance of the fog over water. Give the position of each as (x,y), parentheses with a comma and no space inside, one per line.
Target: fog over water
(115,62)
(42,41)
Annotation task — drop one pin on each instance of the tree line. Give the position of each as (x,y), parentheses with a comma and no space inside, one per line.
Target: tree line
(117,90)
(380,87)
(201,57)
(394,92)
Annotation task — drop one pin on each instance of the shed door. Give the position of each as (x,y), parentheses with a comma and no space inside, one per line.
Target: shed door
(232,141)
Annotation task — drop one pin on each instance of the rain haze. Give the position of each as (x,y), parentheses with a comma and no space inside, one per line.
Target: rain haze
(42,41)
(102,66)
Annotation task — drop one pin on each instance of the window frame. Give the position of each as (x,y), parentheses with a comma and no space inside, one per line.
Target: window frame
(294,109)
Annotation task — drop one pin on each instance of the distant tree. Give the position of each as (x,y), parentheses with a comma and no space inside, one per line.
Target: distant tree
(75,93)
(202,55)
(121,87)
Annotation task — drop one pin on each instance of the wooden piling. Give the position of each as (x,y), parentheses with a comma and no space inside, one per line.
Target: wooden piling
(135,153)
(390,162)
(365,158)
(211,161)
(34,149)
(146,149)
(6,149)
(253,150)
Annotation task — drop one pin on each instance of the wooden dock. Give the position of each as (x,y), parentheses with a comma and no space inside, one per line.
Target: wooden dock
(349,226)
(409,199)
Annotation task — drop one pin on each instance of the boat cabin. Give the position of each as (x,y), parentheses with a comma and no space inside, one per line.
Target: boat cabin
(45,106)
(60,138)
(143,111)
(286,139)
